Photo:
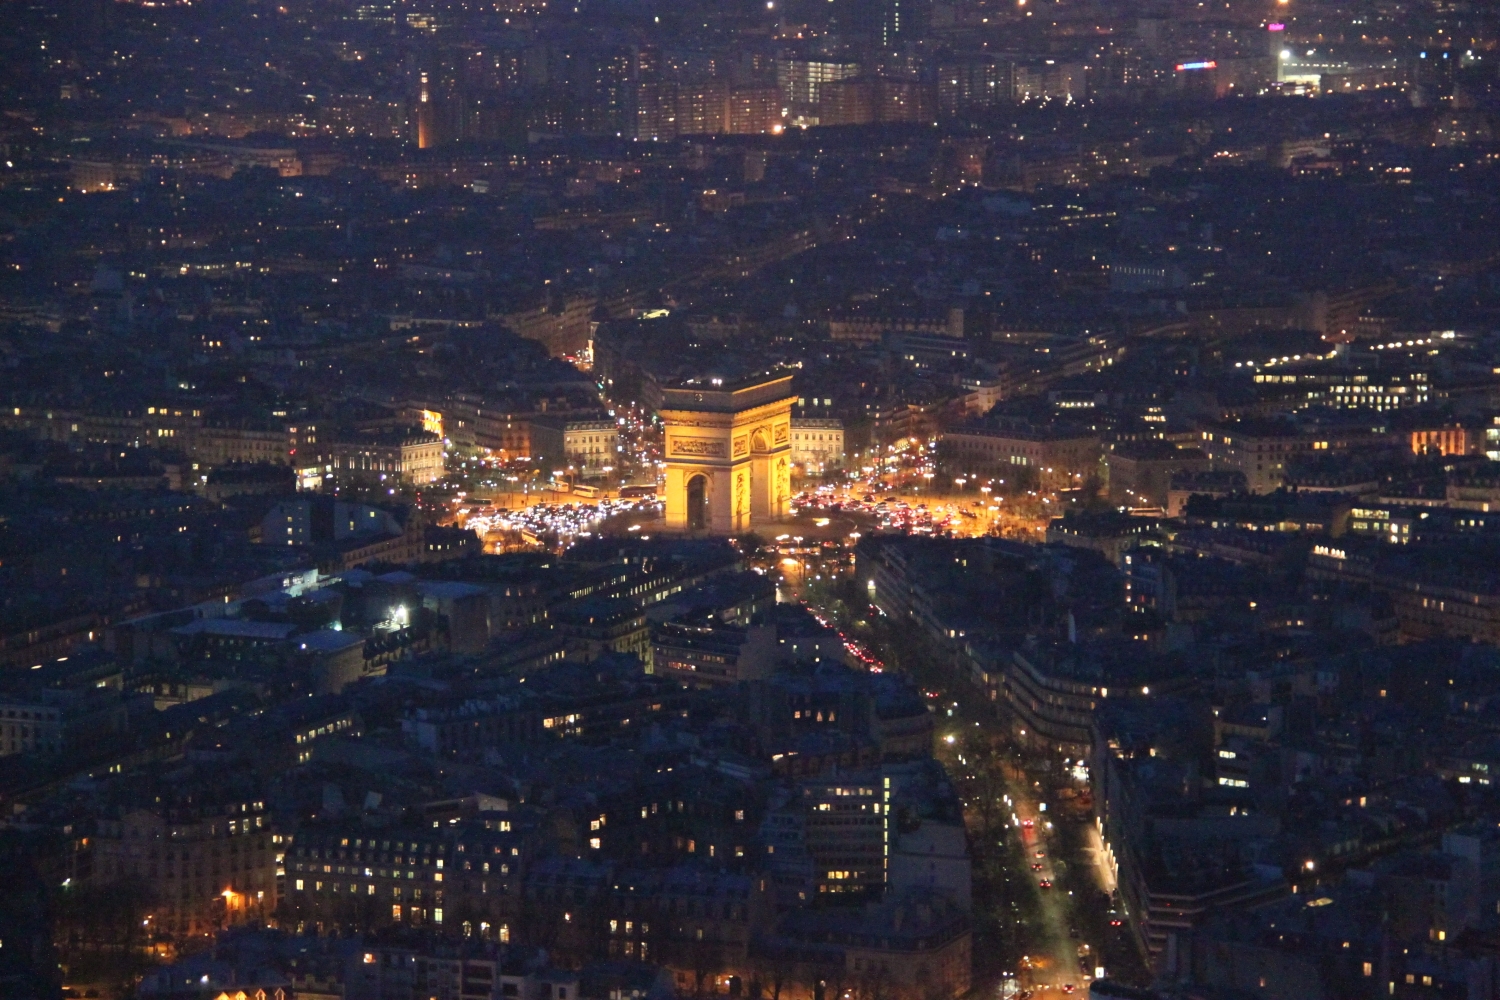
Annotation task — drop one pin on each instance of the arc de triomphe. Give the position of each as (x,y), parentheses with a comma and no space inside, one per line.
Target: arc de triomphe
(728,446)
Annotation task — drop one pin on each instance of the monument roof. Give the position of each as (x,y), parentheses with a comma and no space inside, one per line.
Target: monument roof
(727,395)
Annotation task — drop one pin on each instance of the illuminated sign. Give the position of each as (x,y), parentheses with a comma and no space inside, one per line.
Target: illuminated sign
(1278,26)
(1210,64)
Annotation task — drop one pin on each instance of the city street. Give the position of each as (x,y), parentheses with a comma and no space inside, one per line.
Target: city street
(1039,865)
(1042,888)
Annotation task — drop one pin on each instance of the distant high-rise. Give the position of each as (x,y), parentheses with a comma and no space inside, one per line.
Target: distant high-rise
(801,80)
(424,120)
(972,81)
(610,89)
(754,110)
(903,21)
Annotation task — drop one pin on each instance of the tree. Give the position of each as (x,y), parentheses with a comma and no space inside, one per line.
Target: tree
(778,972)
(873,984)
(103,928)
(702,959)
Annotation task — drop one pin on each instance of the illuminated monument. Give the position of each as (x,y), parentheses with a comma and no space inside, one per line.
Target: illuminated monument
(728,451)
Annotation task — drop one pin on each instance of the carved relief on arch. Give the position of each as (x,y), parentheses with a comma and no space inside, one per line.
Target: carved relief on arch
(697,446)
(760,440)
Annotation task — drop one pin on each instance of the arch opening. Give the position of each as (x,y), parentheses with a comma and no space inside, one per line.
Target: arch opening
(697,503)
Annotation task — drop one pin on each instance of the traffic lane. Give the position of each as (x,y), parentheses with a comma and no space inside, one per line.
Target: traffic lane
(1056,965)
(1053,960)
(1060,967)
(994,509)
(1049,964)
(918,512)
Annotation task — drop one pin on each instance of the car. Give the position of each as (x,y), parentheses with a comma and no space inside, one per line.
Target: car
(1041,854)
(1036,868)
(1045,883)
(1068,987)
(1028,823)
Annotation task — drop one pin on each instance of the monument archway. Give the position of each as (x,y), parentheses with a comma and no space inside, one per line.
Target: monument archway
(728,452)
(697,503)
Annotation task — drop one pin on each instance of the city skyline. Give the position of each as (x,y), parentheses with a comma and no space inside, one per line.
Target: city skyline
(761,499)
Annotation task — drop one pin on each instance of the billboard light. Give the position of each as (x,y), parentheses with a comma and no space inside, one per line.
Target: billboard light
(1209,64)
(1277,26)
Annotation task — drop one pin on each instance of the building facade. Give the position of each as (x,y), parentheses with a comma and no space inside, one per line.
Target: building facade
(198,872)
(412,456)
(817,444)
(1062,459)
(583,444)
